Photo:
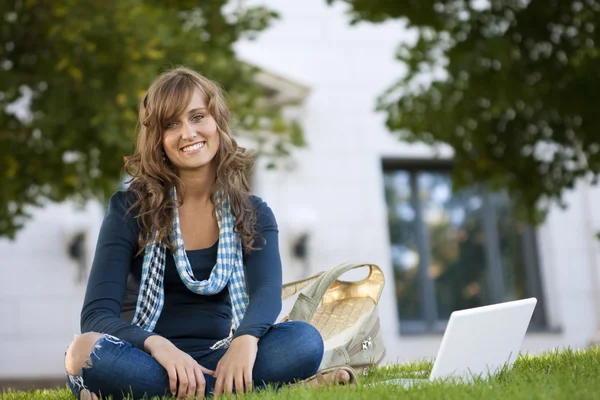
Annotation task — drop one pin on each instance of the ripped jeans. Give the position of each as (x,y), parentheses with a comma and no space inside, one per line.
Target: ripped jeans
(290,351)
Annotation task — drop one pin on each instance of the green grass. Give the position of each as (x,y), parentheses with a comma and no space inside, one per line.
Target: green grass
(557,375)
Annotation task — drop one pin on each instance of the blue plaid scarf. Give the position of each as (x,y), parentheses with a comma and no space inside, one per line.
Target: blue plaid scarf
(229,270)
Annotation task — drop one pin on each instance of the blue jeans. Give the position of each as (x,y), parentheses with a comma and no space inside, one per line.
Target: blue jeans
(289,351)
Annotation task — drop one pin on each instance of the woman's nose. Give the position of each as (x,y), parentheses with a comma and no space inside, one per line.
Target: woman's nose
(188,132)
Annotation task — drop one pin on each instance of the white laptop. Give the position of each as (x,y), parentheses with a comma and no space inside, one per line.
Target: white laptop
(479,342)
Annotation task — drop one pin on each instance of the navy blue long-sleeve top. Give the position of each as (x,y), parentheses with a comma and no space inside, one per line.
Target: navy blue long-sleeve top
(190,321)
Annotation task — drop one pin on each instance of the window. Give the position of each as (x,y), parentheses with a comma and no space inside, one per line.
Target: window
(452,251)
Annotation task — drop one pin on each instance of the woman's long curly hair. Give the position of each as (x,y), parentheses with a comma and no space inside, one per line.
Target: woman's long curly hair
(152,175)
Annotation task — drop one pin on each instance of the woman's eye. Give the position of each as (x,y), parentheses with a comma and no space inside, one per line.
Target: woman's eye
(197,118)
(170,125)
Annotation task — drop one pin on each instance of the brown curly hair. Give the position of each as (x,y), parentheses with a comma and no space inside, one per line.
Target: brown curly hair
(152,177)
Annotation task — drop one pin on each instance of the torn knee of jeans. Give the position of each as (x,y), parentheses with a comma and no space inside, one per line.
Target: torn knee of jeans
(77,380)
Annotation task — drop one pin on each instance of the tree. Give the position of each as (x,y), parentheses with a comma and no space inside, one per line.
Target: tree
(72,75)
(511,85)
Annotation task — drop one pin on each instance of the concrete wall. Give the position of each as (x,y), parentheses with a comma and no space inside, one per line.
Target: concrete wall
(40,297)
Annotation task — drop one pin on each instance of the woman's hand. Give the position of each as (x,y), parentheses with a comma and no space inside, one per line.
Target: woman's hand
(180,366)
(234,370)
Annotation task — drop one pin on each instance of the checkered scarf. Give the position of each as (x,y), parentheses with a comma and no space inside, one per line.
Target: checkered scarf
(229,270)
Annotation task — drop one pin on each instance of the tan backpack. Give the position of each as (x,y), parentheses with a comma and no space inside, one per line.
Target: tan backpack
(345,313)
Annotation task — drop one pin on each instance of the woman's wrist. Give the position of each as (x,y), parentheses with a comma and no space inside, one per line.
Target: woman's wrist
(153,342)
(245,339)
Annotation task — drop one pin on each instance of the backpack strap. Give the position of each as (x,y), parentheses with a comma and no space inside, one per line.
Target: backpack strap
(308,301)
(291,288)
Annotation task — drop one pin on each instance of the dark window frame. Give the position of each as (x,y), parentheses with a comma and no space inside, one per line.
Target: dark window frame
(430,323)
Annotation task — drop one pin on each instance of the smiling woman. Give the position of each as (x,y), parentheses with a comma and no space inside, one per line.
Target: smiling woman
(185,286)
(184,110)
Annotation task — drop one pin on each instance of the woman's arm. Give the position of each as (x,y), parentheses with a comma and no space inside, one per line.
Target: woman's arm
(263,281)
(263,277)
(117,244)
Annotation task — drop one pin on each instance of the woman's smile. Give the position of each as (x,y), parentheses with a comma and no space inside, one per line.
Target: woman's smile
(193,148)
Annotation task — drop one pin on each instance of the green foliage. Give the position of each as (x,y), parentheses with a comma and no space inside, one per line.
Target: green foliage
(84,65)
(511,85)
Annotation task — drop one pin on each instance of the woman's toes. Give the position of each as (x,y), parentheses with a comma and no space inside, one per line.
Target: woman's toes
(342,377)
(332,378)
(85,394)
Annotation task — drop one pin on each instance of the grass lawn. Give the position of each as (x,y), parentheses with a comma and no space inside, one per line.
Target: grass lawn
(557,375)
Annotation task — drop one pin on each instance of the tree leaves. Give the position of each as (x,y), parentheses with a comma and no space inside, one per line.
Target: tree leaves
(518,96)
(72,73)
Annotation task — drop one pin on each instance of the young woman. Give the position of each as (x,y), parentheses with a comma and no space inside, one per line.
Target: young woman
(185,285)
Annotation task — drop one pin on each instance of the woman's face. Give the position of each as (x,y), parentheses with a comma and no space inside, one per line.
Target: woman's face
(191,140)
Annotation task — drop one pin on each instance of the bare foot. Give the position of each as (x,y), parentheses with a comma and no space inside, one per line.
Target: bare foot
(334,377)
(87,395)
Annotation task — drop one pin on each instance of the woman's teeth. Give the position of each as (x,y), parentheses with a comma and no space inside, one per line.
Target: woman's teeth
(196,146)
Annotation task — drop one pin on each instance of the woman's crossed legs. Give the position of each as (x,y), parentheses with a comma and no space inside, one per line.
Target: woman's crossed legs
(106,365)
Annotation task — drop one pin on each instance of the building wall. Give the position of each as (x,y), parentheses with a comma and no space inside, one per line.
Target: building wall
(570,259)
(40,295)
